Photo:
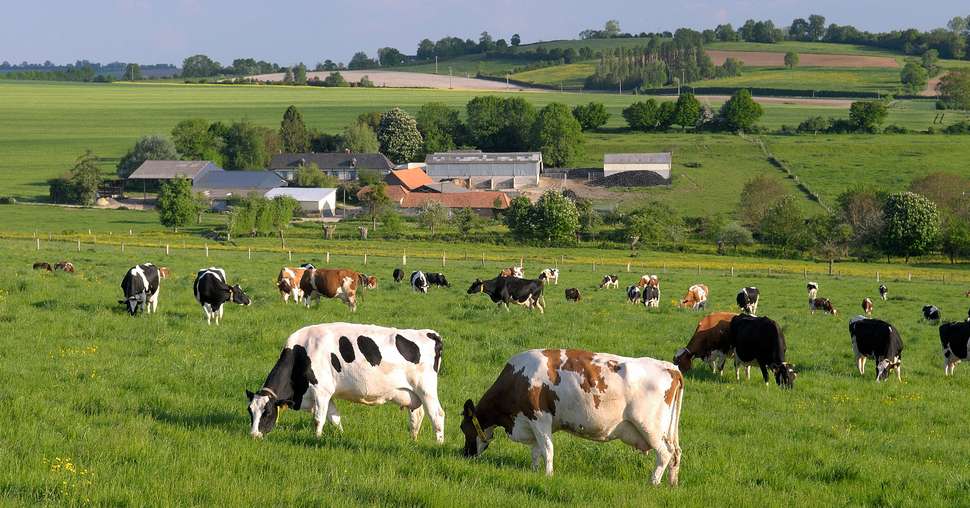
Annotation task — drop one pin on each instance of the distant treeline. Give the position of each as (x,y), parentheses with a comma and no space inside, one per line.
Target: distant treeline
(82,70)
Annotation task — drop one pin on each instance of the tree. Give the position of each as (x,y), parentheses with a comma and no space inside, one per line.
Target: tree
(371,118)
(360,60)
(335,79)
(465,220)
(500,123)
(641,115)
(399,136)
(518,218)
(758,196)
(867,116)
(862,210)
(516,40)
(245,147)
(299,74)
(799,30)
(555,219)
(359,138)
(687,111)
(948,190)
(655,223)
(591,116)
(194,139)
(954,89)
(957,24)
(293,132)
(176,204)
(154,148)
(930,61)
(485,43)
(741,112)
(956,239)
(80,185)
(913,77)
(288,76)
(784,225)
(558,135)
(390,57)
(816,27)
(432,215)
(831,236)
(440,127)
(791,59)
(132,72)
(589,219)
(611,29)
(375,200)
(200,66)
(912,225)
(311,176)
(734,234)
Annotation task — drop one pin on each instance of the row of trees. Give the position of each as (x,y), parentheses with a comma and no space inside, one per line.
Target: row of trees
(739,113)
(201,66)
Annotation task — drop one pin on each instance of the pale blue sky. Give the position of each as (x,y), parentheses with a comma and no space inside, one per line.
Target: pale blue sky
(288,31)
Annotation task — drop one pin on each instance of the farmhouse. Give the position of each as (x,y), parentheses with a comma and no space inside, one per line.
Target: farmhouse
(491,171)
(658,163)
(314,200)
(345,166)
(219,186)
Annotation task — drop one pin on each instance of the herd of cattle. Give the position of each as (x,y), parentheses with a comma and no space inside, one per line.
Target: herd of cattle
(597,396)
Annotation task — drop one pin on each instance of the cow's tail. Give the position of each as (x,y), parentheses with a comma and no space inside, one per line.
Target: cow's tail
(673,431)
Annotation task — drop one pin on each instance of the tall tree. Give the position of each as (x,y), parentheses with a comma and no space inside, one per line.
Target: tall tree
(555,219)
(194,139)
(741,112)
(912,225)
(558,135)
(200,66)
(591,116)
(299,74)
(611,28)
(360,138)
(132,72)
(757,197)
(293,132)
(245,147)
(516,40)
(154,148)
(954,89)
(399,136)
(432,215)
(816,27)
(913,77)
(867,116)
(376,201)
(687,111)
(784,225)
(440,127)
(176,205)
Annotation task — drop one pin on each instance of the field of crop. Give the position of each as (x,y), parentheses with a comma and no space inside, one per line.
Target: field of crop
(879,80)
(570,76)
(116,409)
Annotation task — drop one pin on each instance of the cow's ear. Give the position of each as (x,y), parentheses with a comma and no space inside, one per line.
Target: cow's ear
(250,395)
(469,409)
(122,301)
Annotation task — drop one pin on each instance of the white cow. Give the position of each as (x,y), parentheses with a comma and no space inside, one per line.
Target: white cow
(367,364)
(550,274)
(596,396)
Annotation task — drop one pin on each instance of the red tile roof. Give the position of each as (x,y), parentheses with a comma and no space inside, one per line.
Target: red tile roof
(484,199)
(395,192)
(411,178)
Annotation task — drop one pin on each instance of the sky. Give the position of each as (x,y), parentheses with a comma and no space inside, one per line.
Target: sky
(309,31)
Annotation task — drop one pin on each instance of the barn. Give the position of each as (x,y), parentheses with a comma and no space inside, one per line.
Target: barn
(220,186)
(659,163)
(479,170)
(343,165)
(317,200)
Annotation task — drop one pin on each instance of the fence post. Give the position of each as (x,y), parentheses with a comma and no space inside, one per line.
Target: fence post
(732,271)
(249,253)
(50,237)
(129,232)
(443,259)
(365,258)
(909,277)
(289,255)
(665,268)
(877,276)
(628,267)
(483,259)
(805,273)
(122,247)
(206,250)
(38,243)
(698,269)
(404,258)
(521,264)
(769,271)
(79,245)
(166,249)
(328,257)
(594,266)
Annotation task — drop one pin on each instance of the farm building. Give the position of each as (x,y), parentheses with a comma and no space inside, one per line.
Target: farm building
(658,163)
(170,170)
(409,178)
(481,170)
(345,166)
(484,203)
(219,186)
(315,200)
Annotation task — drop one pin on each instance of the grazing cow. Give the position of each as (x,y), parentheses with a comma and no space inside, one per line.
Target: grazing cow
(610,281)
(931,313)
(64,266)
(696,297)
(335,283)
(812,291)
(954,337)
(879,340)
(366,281)
(633,294)
(288,282)
(212,291)
(824,305)
(398,275)
(41,265)
(596,396)
(512,271)
(650,296)
(140,286)
(550,274)
(867,306)
(419,282)
(648,280)
(572,295)
(506,290)
(437,279)
(883,292)
(164,272)
(748,300)
(760,340)
(366,364)
(711,343)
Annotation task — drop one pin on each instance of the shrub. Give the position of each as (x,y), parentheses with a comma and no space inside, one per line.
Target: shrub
(8,200)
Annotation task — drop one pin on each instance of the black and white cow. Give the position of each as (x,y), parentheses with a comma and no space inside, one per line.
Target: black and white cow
(419,282)
(506,290)
(610,281)
(398,275)
(212,291)
(748,300)
(931,313)
(633,294)
(650,296)
(879,340)
(760,340)
(140,286)
(954,337)
(366,364)
(883,292)
(437,279)
(573,295)
(550,274)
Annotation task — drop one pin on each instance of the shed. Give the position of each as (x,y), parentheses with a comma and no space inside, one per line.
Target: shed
(658,163)
(170,170)
(485,203)
(219,186)
(312,199)
(507,170)
(343,165)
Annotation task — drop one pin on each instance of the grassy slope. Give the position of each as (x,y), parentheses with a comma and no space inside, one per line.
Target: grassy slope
(812,78)
(569,75)
(155,404)
(802,47)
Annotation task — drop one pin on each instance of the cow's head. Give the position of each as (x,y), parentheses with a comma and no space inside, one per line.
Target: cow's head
(684,359)
(444,281)
(477,287)
(785,375)
(264,410)
(239,296)
(476,438)
(133,301)
(885,366)
(371,282)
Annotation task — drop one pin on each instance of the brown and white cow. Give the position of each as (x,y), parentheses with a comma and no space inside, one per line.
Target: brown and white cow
(648,280)
(64,266)
(513,271)
(164,272)
(596,396)
(696,297)
(711,343)
(331,283)
(43,265)
(288,282)
(867,306)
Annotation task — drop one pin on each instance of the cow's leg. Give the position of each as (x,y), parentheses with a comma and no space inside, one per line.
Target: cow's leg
(862,364)
(333,416)
(747,372)
(321,409)
(544,442)
(737,369)
(764,372)
(899,372)
(541,305)
(153,302)
(415,417)
(429,401)
(222,310)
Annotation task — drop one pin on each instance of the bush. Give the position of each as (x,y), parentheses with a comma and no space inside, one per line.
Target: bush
(591,116)
(8,200)
(814,125)
(895,129)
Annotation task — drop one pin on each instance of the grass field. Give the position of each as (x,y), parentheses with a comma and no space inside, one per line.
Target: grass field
(150,410)
(802,47)
(570,76)
(879,80)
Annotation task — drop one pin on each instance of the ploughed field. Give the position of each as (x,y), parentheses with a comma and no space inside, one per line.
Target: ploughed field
(102,408)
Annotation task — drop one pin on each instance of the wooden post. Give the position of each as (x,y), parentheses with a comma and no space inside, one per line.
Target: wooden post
(665,268)
(129,232)
(594,266)
(805,273)
(289,255)
(122,247)
(249,253)
(79,245)
(404,258)
(483,259)
(877,276)
(166,249)
(698,269)
(909,277)
(328,257)
(365,258)
(732,271)
(627,267)
(769,271)
(50,237)
(38,244)
(206,250)
(443,259)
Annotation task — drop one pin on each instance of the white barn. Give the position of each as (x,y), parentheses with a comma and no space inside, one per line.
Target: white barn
(482,170)
(658,163)
(312,199)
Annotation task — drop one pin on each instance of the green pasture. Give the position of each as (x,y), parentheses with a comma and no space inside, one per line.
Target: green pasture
(104,409)
(824,48)
(876,80)
(570,76)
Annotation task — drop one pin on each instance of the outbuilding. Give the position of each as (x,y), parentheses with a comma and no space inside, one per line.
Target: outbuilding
(659,163)
(312,199)
(480,170)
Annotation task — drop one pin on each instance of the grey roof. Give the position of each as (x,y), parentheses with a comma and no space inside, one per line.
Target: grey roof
(165,170)
(637,158)
(332,160)
(444,187)
(476,157)
(301,193)
(238,180)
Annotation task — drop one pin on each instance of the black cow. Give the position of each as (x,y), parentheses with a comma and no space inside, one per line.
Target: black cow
(212,291)
(419,282)
(633,294)
(506,290)
(650,296)
(398,275)
(140,286)
(883,292)
(759,339)
(879,340)
(748,300)
(931,313)
(437,279)
(572,295)
(954,337)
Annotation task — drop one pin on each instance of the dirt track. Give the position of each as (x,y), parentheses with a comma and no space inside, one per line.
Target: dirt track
(395,79)
(767,59)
